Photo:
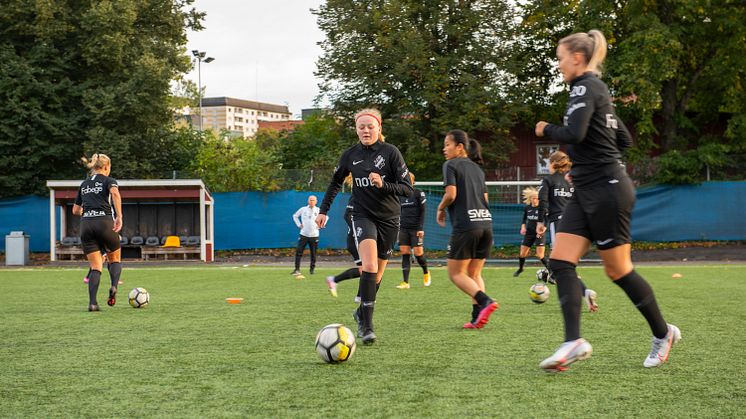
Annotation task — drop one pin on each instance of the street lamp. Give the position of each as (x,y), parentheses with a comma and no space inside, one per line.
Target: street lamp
(200,56)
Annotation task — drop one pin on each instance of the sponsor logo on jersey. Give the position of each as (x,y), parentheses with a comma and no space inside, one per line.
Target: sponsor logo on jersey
(94,213)
(563,193)
(364,182)
(611,121)
(479,215)
(355,163)
(379,162)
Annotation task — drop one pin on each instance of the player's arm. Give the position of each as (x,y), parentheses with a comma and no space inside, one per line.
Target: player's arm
(448,197)
(78,206)
(421,217)
(340,173)
(117,198)
(523,220)
(297,218)
(543,206)
(578,116)
(623,137)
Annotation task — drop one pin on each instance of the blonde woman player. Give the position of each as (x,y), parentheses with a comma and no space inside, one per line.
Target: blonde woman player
(379,176)
(531,216)
(412,234)
(98,230)
(600,209)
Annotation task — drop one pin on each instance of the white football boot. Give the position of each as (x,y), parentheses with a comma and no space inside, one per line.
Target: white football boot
(591,300)
(662,347)
(568,352)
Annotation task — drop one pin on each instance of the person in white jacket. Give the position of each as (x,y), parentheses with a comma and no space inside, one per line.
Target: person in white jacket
(305,220)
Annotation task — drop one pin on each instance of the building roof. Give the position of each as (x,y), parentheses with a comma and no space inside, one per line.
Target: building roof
(250,104)
(280,125)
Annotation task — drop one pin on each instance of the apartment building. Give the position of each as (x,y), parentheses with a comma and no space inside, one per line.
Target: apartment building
(239,116)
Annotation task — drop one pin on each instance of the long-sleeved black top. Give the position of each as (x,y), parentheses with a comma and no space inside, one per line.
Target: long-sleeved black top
(531,216)
(597,137)
(413,210)
(370,201)
(554,193)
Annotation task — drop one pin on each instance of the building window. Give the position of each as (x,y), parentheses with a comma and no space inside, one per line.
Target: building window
(543,151)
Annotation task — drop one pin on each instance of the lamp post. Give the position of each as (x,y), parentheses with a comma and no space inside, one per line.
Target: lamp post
(200,56)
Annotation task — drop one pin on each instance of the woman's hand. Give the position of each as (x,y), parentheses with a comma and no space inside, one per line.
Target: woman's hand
(321,220)
(375,180)
(539,130)
(523,230)
(441,217)
(540,229)
(117,224)
(420,234)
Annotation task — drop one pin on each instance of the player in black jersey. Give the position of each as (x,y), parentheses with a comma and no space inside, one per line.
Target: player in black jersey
(98,230)
(412,234)
(600,209)
(554,194)
(379,175)
(351,273)
(531,237)
(465,197)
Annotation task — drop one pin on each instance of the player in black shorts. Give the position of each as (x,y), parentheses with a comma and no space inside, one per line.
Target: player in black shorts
(531,216)
(600,209)
(465,197)
(98,230)
(379,175)
(412,234)
(554,194)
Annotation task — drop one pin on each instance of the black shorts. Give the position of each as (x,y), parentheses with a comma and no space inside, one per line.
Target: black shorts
(97,234)
(382,231)
(602,213)
(408,237)
(531,240)
(472,244)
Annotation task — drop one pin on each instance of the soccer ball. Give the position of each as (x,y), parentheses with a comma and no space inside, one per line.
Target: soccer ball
(542,275)
(538,292)
(335,343)
(139,297)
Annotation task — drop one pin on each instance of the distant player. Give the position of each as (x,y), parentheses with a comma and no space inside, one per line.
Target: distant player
(379,176)
(97,228)
(531,215)
(554,194)
(305,220)
(600,209)
(465,198)
(412,234)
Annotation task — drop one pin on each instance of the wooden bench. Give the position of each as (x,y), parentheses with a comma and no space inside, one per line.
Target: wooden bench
(148,251)
(71,251)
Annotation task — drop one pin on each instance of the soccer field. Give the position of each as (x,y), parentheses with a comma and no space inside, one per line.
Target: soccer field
(191,354)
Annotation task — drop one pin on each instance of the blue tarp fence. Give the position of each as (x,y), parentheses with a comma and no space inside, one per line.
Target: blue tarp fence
(248,220)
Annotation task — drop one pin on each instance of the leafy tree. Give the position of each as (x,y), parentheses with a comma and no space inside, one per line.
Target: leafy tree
(430,66)
(80,77)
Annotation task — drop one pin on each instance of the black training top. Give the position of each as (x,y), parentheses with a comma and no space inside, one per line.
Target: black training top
(597,137)
(370,201)
(530,218)
(554,193)
(413,210)
(470,210)
(94,196)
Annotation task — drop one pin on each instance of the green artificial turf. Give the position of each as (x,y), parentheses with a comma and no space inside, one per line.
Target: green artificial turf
(189,354)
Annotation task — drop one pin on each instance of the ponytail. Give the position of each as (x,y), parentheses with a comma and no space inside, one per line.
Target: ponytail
(592,44)
(560,161)
(472,146)
(97,162)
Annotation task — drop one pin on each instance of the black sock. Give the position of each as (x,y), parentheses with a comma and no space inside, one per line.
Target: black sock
(348,274)
(88,275)
(406,263)
(475,309)
(521,262)
(482,299)
(568,289)
(115,271)
(545,262)
(639,291)
(422,262)
(368,296)
(94,278)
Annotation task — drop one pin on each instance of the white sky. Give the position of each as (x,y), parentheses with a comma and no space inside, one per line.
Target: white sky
(264,50)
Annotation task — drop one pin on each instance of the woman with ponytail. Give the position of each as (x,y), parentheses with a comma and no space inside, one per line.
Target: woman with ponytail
(379,176)
(601,207)
(465,198)
(98,227)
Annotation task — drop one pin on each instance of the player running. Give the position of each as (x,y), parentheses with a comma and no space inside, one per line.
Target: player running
(412,234)
(379,175)
(97,228)
(465,198)
(554,193)
(601,207)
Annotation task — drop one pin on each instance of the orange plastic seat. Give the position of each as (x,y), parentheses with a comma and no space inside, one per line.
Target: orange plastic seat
(172,241)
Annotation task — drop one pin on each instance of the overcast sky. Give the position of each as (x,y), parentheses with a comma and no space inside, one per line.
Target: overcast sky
(264,50)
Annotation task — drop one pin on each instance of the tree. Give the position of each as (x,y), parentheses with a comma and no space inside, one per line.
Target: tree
(430,66)
(80,77)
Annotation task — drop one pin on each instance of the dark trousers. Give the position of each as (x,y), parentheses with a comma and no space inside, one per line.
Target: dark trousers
(313,243)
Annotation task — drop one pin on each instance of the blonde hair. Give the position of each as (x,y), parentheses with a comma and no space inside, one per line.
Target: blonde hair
(411,178)
(97,162)
(376,114)
(592,45)
(529,193)
(560,162)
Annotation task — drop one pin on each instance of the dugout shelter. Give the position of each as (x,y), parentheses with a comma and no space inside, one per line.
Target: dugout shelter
(152,210)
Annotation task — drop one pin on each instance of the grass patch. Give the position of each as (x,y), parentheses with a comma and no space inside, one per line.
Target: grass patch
(191,354)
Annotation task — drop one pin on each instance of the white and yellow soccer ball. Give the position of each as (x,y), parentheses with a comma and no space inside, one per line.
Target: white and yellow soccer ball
(139,297)
(335,343)
(539,292)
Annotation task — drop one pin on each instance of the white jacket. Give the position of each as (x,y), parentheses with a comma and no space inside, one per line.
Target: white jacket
(305,219)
